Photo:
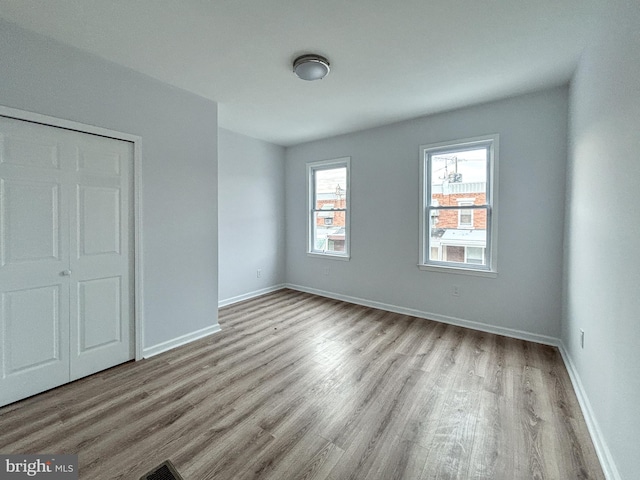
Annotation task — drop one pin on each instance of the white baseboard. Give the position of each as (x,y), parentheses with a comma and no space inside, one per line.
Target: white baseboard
(483,327)
(247,296)
(602,450)
(179,341)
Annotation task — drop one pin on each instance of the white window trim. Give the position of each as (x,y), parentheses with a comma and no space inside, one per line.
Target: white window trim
(326,165)
(490,270)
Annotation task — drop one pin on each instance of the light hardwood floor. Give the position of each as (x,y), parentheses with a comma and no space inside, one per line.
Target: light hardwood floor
(297,386)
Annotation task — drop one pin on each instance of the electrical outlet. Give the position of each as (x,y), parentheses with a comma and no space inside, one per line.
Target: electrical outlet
(455,291)
(581,338)
(259,273)
(326,270)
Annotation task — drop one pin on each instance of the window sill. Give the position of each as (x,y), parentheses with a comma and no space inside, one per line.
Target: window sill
(330,256)
(458,271)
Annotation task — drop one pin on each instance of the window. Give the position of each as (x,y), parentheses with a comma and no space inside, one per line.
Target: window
(474,255)
(458,206)
(328,232)
(465,215)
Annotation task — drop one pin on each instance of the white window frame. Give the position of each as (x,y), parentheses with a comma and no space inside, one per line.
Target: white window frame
(313,167)
(491,249)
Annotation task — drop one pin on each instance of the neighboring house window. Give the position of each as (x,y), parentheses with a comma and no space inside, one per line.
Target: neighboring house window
(328,184)
(465,215)
(458,196)
(474,255)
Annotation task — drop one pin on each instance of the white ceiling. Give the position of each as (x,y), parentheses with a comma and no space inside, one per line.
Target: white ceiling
(390,59)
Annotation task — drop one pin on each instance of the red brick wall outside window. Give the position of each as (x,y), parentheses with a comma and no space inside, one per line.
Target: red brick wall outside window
(449,218)
(338,217)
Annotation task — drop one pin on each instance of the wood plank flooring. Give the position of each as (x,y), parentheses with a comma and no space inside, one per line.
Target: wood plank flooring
(297,386)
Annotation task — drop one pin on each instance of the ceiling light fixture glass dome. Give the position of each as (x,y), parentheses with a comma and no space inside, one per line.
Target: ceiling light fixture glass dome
(311,67)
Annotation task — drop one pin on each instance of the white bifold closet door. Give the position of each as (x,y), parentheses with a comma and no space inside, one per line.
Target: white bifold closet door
(66,256)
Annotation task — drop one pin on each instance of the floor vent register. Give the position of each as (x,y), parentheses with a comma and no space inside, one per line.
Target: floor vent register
(164,471)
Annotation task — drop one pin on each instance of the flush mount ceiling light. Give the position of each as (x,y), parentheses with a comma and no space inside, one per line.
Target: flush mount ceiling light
(311,67)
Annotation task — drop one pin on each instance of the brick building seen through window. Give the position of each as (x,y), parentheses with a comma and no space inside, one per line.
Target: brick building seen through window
(458,235)
(336,220)
(457,195)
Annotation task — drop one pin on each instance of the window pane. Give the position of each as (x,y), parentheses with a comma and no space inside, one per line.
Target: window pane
(459,174)
(330,187)
(329,237)
(465,220)
(454,254)
(459,245)
(475,255)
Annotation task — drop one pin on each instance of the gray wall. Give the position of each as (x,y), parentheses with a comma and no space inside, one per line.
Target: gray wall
(179,165)
(526,296)
(250,216)
(603,226)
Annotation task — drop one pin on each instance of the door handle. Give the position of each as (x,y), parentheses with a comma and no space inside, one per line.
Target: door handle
(65,273)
